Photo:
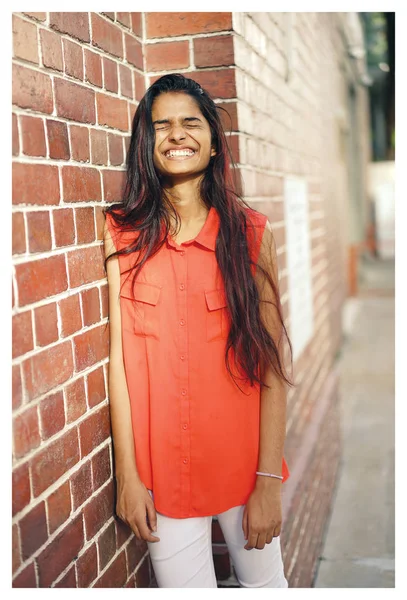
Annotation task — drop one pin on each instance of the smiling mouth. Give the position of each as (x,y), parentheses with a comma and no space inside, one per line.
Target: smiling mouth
(180,154)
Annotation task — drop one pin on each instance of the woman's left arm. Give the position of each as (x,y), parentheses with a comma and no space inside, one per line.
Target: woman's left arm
(263,512)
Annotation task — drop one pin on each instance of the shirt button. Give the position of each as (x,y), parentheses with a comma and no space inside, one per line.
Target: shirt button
(185,425)
(182,357)
(182,252)
(185,461)
(181,287)
(182,322)
(183,392)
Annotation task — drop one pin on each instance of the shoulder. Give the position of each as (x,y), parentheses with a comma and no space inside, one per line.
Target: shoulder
(257,219)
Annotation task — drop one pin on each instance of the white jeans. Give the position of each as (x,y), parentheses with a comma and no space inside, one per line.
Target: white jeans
(183,556)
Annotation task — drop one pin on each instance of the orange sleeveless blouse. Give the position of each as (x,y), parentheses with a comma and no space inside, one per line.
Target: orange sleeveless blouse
(196,434)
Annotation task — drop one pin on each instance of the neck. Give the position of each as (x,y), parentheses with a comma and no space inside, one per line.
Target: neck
(187,201)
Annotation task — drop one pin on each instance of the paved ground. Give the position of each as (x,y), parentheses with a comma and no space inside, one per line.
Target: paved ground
(359,546)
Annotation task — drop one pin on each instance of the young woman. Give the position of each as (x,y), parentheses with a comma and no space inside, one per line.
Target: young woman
(196,375)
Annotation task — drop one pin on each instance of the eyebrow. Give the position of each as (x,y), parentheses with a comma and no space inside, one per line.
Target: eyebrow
(162,121)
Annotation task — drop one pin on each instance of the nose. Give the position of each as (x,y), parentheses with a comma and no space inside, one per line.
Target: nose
(177,133)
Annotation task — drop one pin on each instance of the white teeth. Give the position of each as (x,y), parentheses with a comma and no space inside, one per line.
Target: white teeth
(171,153)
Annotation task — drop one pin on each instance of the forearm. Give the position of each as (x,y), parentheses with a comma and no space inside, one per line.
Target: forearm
(122,430)
(273,404)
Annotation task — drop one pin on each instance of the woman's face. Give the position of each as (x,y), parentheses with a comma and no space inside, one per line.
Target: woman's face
(182,136)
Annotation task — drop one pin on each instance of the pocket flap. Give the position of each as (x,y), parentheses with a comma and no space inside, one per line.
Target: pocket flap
(143,292)
(215,299)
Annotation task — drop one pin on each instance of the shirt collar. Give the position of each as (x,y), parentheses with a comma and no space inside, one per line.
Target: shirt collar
(208,234)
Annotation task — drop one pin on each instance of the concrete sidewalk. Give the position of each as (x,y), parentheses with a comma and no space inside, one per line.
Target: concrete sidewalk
(359,545)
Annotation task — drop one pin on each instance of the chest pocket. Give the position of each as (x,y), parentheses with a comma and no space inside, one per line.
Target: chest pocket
(217,318)
(144,308)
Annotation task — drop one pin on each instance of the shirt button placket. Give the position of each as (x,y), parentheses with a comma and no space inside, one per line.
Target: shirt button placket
(183,389)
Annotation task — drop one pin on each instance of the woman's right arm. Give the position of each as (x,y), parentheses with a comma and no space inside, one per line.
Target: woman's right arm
(133,499)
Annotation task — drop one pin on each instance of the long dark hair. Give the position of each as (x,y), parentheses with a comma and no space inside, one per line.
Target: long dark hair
(146,207)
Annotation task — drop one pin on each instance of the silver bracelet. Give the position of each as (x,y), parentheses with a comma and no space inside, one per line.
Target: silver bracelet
(269,475)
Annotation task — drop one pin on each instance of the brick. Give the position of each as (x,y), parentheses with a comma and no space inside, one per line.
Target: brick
(219,84)
(70,312)
(73,59)
(23,340)
(18,237)
(33,136)
(217,533)
(17,388)
(81,485)
(94,430)
(126,87)
(100,222)
(25,45)
(106,36)
(38,16)
(58,142)
(96,387)
(75,24)
(79,143)
(167,55)
(221,562)
(135,551)
(68,580)
(35,184)
(215,51)
(33,530)
(110,79)
(26,579)
(123,532)
(104,300)
(26,433)
(101,469)
(16,556)
(139,85)
(53,461)
(229,121)
(86,567)
(75,400)
(39,279)
(20,488)
(186,23)
(32,89)
(60,552)
(39,231)
(80,184)
(98,511)
(134,51)
(93,68)
(124,19)
(48,369)
(115,575)
(111,15)
(59,507)
(15,139)
(115,144)
(112,112)
(64,227)
(85,266)
(107,545)
(143,575)
(131,582)
(85,225)
(51,50)
(90,306)
(136,23)
(113,185)
(52,415)
(98,147)
(74,101)
(46,324)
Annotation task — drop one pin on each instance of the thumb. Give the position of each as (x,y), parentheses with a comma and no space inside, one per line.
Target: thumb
(152,515)
(244,523)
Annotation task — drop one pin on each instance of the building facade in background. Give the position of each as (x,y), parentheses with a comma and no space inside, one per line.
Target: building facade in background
(294,86)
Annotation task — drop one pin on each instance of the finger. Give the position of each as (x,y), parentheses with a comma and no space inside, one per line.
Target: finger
(252,541)
(277,531)
(269,537)
(145,532)
(152,516)
(261,541)
(135,530)
(244,523)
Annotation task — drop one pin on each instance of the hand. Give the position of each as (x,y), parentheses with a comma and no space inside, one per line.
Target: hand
(262,517)
(136,508)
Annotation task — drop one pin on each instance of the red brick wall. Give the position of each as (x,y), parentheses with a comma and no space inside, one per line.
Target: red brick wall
(77,78)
